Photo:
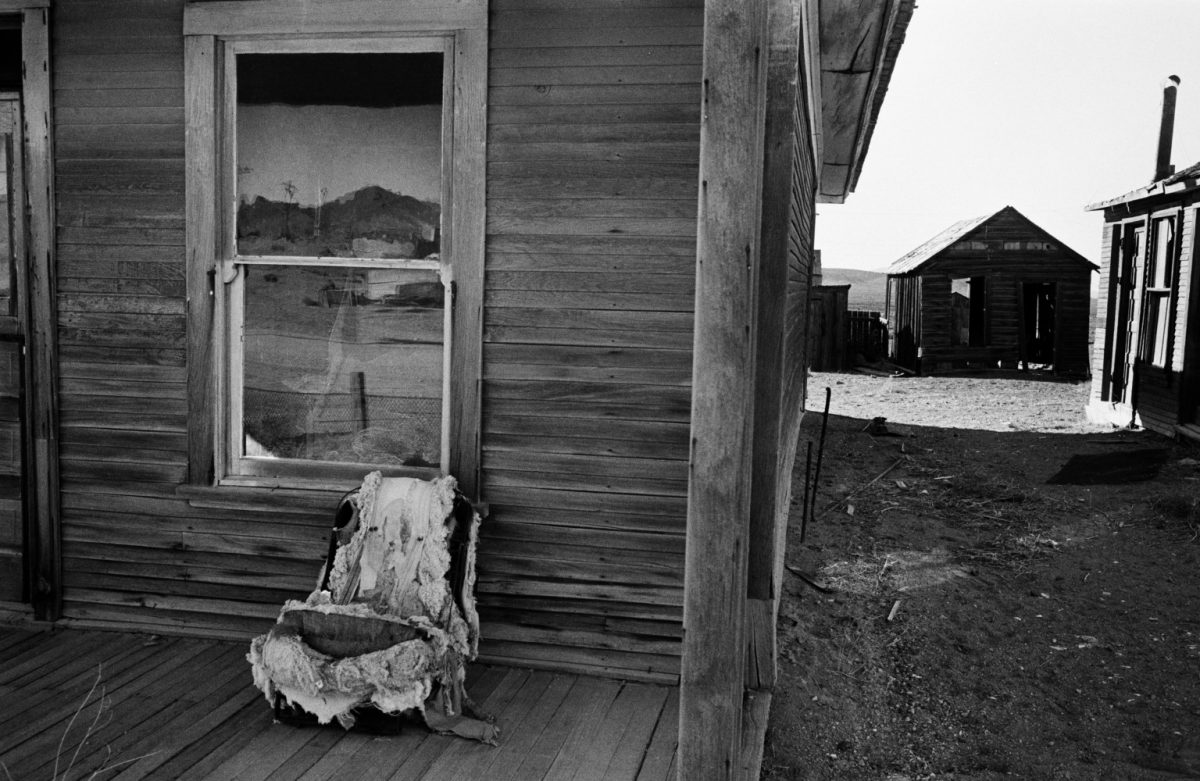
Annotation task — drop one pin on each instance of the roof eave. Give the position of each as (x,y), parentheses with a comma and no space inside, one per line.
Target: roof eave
(1151,191)
(859,44)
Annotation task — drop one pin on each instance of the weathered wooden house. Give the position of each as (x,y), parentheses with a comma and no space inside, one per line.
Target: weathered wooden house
(1146,359)
(555,248)
(991,292)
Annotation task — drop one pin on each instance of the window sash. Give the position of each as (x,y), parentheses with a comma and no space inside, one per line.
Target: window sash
(211,30)
(238,463)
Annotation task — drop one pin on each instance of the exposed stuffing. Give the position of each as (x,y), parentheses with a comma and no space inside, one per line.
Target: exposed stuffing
(390,629)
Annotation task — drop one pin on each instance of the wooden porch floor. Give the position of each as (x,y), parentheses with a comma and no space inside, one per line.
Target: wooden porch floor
(184,708)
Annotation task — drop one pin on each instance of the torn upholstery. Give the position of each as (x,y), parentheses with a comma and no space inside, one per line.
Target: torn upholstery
(393,622)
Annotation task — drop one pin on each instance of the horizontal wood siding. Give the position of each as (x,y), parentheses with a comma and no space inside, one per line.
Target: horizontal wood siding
(593,142)
(136,551)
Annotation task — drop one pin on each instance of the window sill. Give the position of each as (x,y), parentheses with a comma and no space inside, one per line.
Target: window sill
(261,496)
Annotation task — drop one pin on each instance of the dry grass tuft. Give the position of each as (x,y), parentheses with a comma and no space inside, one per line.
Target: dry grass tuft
(1179,510)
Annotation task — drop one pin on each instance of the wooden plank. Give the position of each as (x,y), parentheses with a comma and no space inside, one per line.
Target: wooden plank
(654,486)
(506,761)
(592,94)
(597,518)
(609,640)
(505,696)
(189,726)
(201,65)
(647,265)
(595,19)
(731,159)
(627,153)
(667,410)
(570,728)
(514,585)
(469,242)
(598,114)
(277,17)
(773,452)
(605,133)
(140,720)
(591,245)
(43,344)
(590,319)
(267,751)
(754,732)
(661,433)
(633,727)
(615,337)
(198,760)
(591,282)
(123,685)
(595,56)
(522,37)
(573,73)
(660,754)
(512,527)
(568,5)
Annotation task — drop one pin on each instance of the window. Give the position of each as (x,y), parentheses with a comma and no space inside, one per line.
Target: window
(345,278)
(968,322)
(1159,277)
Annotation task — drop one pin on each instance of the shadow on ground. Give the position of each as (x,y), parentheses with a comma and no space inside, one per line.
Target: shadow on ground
(984,623)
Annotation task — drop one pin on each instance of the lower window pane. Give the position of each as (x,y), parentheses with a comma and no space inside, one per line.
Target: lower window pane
(343,364)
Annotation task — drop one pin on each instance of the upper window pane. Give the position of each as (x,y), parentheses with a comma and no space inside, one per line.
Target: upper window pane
(339,155)
(1160,259)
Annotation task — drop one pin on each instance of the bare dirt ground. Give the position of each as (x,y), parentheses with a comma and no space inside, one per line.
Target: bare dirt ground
(982,623)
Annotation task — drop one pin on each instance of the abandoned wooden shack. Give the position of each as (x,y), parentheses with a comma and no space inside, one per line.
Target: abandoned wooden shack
(991,292)
(828,327)
(558,249)
(1146,359)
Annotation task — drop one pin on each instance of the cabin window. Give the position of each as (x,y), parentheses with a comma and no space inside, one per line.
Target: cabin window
(968,321)
(336,245)
(1156,304)
(337,350)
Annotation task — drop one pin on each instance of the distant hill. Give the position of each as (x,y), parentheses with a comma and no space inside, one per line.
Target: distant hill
(868,289)
(370,222)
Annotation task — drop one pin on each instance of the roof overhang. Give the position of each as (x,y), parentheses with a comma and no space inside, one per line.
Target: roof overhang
(1169,186)
(859,41)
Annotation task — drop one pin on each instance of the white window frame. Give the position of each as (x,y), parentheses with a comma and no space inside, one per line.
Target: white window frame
(215,34)
(1157,299)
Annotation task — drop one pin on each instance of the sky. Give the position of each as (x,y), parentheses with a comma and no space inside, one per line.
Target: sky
(1043,105)
(340,149)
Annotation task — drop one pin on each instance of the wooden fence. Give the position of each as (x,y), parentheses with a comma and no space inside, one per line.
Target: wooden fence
(868,336)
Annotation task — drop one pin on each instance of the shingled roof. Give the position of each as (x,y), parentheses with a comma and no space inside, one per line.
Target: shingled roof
(958,231)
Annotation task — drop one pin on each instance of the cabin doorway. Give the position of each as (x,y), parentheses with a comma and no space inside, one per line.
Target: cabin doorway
(1038,308)
(14,525)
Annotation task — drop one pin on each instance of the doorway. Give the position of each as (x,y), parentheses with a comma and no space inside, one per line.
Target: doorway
(1038,307)
(14,531)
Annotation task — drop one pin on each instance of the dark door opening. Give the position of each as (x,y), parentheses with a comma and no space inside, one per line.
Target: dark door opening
(1039,315)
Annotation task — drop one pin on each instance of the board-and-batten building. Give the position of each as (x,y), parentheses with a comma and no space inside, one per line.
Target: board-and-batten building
(1146,359)
(991,292)
(566,262)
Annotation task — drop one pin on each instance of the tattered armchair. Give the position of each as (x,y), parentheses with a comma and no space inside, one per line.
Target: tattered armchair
(392,624)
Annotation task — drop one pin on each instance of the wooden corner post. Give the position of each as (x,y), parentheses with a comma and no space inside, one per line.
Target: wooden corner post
(43,321)
(774,453)
(203,283)
(727,257)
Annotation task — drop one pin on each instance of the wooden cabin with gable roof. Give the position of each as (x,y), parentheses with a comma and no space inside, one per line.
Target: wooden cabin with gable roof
(991,292)
(558,249)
